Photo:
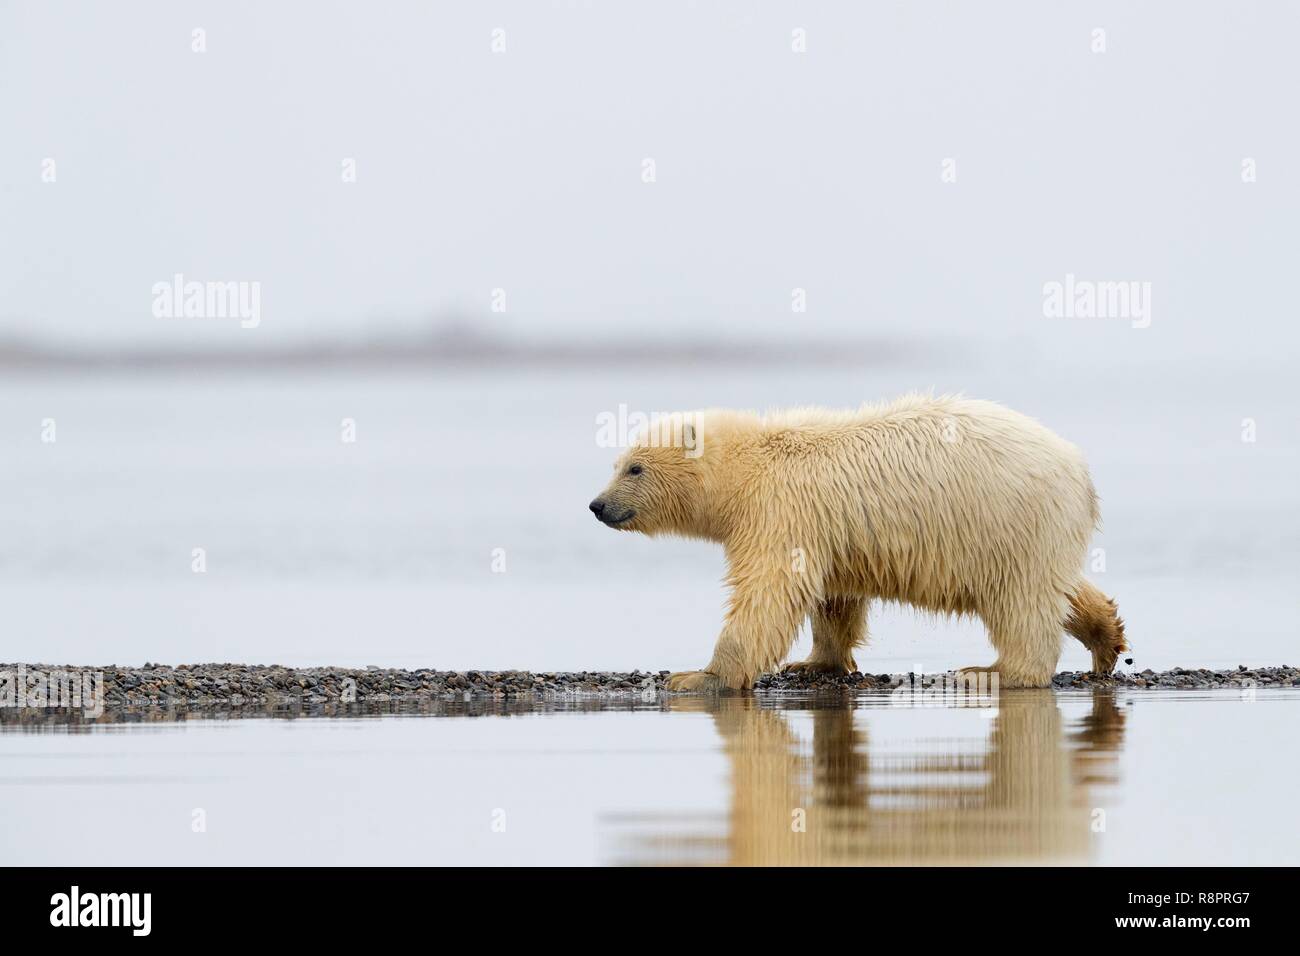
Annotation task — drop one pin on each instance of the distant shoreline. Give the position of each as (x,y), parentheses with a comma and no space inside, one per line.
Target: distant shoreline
(458,349)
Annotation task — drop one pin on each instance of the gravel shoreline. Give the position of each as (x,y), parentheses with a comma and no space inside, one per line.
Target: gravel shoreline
(236,685)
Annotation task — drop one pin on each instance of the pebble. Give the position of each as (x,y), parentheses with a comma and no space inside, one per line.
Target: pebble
(262,685)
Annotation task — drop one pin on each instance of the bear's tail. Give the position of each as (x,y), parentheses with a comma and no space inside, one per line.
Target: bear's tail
(1094,619)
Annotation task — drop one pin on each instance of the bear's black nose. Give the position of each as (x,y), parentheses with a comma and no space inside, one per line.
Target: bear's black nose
(597,507)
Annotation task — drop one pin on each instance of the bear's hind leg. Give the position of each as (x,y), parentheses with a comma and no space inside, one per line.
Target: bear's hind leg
(1094,620)
(839,624)
(1028,642)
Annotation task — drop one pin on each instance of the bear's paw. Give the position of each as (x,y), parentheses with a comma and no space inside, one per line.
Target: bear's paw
(695,682)
(819,667)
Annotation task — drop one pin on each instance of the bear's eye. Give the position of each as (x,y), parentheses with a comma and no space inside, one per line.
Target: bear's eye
(634,470)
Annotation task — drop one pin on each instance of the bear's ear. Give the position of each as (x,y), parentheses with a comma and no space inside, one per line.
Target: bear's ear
(690,438)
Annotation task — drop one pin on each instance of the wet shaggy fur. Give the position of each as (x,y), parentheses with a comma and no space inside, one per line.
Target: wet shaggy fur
(947,504)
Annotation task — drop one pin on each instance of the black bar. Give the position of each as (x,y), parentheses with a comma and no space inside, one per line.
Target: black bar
(328,906)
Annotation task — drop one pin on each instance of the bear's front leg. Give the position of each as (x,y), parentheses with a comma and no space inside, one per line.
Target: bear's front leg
(839,624)
(762,621)
(727,670)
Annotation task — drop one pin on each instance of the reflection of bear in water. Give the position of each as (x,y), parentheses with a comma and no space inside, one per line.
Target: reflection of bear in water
(1027,797)
(946,504)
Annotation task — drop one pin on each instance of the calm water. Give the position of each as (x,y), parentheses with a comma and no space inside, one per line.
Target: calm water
(1041,777)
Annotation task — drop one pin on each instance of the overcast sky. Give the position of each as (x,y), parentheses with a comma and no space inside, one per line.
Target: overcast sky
(523,170)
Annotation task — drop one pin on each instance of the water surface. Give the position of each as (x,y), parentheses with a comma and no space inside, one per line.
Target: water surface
(1039,777)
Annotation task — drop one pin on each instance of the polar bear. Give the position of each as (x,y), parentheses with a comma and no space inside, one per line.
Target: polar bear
(948,504)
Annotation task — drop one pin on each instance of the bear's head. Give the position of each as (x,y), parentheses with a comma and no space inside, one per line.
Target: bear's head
(658,482)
